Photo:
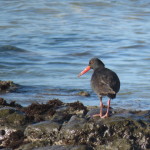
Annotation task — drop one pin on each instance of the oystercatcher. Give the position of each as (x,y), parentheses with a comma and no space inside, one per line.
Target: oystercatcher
(104,82)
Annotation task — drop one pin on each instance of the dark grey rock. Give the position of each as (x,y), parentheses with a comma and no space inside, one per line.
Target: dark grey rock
(71,132)
(9,115)
(83,93)
(64,147)
(10,137)
(72,127)
(46,131)
(118,144)
(7,86)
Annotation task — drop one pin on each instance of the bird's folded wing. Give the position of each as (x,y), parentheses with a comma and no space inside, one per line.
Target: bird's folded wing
(106,88)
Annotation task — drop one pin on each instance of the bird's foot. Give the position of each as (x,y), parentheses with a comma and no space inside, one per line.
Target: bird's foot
(101,116)
(105,116)
(98,115)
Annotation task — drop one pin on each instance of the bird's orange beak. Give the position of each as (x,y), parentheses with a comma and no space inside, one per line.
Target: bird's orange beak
(84,71)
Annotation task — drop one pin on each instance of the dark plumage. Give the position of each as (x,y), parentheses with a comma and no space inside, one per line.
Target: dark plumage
(104,82)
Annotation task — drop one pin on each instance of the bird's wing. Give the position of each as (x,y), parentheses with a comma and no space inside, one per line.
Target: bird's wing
(103,82)
(106,87)
(101,85)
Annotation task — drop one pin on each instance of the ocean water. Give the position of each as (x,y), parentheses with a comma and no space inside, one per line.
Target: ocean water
(44,44)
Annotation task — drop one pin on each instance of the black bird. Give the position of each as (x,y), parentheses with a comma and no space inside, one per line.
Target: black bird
(104,82)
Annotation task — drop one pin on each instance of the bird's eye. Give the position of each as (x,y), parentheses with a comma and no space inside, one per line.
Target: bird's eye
(91,62)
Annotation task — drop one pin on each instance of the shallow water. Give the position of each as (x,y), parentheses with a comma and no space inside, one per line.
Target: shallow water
(45,44)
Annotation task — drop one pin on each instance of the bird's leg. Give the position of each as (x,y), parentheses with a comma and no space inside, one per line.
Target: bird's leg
(107,112)
(101,109)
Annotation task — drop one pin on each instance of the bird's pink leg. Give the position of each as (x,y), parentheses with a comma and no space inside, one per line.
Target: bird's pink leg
(107,113)
(101,109)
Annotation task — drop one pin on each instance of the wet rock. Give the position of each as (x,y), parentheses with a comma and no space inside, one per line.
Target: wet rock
(39,112)
(7,86)
(55,103)
(118,144)
(62,116)
(83,93)
(15,139)
(77,108)
(31,146)
(64,147)
(66,111)
(16,119)
(114,128)
(57,125)
(14,104)
(11,125)
(12,116)
(98,132)
(10,137)
(5,111)
(3,102)
(45,131)
(11,104)
(75,131)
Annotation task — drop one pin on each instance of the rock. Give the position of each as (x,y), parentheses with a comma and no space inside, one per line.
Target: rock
(131,131)
(118,144)
(61,116)
(55,147)
(57,125)
(73,131)
(15,139)
(11,127)
(9,115)
(46,131)
(107,132)
(10,137)
(16,119)
(83,93)
(5,111)
(55,103)
(64,147)
(7,86)
(39,112)
(77,108)
(3,103)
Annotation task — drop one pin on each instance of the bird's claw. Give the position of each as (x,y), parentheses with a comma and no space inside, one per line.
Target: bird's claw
(101,116)
(105,116)
(98,115)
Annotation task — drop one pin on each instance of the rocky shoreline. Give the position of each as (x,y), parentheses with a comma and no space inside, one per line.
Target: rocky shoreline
(70,126)
(7,86)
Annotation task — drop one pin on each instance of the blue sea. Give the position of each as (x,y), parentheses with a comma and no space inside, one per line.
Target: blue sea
(45,44)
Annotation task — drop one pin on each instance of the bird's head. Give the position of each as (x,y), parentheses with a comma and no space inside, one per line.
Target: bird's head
(94,63)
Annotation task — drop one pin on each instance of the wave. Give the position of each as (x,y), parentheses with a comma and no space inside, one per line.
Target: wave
(10,48)
(12,54)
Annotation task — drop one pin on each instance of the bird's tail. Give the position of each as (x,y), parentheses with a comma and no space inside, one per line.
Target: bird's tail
(112,96)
